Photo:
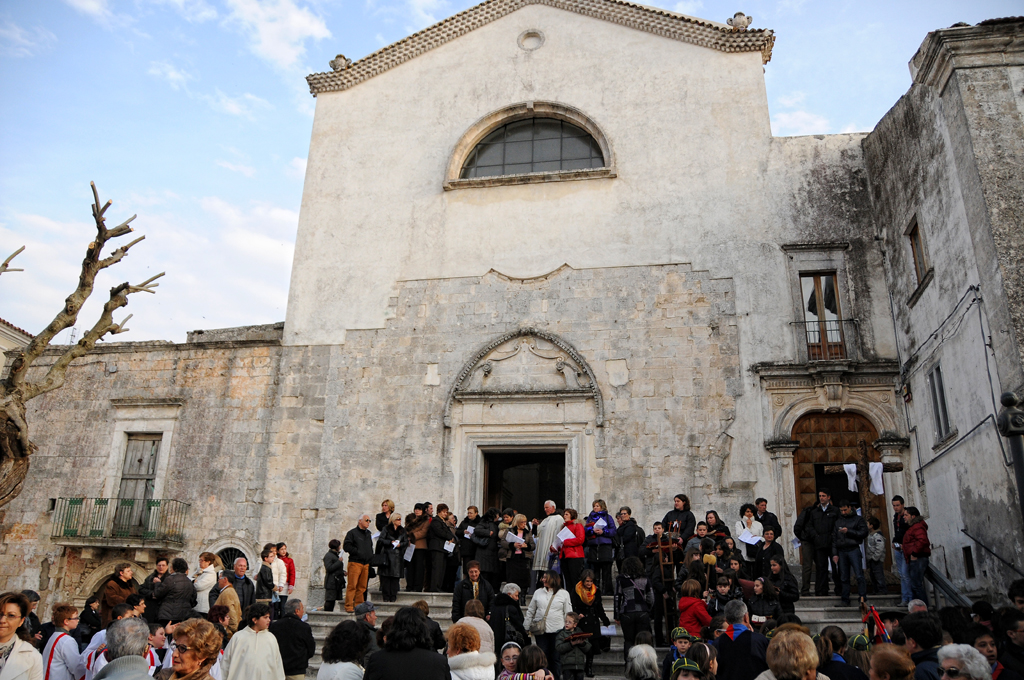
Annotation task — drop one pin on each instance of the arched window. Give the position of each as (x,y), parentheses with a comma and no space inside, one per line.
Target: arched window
(533,145)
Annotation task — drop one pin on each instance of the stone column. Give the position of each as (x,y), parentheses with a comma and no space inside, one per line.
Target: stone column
(895,450)
(785,485)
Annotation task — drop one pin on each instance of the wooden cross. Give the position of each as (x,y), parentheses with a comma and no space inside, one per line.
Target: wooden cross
(863,482)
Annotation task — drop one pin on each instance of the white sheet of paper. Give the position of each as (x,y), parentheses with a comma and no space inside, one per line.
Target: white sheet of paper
(408,553)
(565,534)
(375,536)
(608,631)
(749,538)
(557,543)
(512,538)
(449,546)
(469,531)
(395,543)
(600,524)
(796,543)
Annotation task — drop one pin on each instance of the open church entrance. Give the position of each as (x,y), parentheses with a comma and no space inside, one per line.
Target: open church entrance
(523,479)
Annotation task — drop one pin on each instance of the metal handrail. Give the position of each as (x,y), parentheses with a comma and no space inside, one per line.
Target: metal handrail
(825,339)
(943,585)
(147,519)
(992,552)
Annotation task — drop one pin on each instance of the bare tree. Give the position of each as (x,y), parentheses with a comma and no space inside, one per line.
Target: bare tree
(16,389)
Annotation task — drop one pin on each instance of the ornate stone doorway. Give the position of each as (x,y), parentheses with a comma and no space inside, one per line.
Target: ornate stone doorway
(526,392)
(831,438)
(524,479)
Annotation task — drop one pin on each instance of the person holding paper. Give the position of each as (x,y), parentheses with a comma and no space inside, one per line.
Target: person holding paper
(545,532)
(485,536)
(441,543)
(570,553)
(517,551)
(392,543)
(748,531)
(600,535)
(416,526)
(465,534)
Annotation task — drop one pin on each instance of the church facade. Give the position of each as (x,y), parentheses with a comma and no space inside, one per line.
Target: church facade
(551,249)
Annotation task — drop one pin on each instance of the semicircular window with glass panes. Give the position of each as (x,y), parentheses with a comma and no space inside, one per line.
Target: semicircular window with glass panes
(533,145)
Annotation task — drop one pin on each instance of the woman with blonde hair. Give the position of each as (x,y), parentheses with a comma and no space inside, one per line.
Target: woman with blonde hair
(791,655)
(196,649)
(387,507)
(465,659)
(518,554)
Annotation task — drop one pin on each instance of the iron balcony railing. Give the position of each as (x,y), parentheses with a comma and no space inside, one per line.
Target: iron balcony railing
(825,339)
(119,520)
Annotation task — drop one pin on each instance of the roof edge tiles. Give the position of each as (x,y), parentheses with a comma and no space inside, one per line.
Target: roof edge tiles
(652,20)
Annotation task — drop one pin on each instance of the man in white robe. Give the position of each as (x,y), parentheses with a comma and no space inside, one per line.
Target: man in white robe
(545,531)
(253,653)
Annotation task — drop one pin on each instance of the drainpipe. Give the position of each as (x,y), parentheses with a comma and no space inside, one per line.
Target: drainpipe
(1011,426)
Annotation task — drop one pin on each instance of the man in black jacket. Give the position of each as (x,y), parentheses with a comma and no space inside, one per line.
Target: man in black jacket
(923,633)
(767,519)
(244,588)
(814,526)
(680,524)
(359,546)
(440,543)
(174,593)
(849,532)
(467,548)
(741,651)
(472,587)
(146,589)
(295,640)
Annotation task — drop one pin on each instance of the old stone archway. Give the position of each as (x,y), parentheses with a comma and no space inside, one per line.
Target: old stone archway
(832,438)
(527,392)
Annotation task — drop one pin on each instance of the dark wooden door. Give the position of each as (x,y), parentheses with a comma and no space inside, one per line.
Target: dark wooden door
(831,438)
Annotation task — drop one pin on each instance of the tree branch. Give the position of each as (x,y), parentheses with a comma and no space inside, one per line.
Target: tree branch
(5,268)
(67,317)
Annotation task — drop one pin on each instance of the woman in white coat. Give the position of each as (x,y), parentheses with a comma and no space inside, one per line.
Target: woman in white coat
(465,659)
(19,660)
(205,580)
(748,523)
(546,616)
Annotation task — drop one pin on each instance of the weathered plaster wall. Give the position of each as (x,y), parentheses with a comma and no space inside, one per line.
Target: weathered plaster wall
(922,161)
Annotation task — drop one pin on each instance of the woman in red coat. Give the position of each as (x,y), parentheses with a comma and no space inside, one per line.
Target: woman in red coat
(693,611)
(570,555)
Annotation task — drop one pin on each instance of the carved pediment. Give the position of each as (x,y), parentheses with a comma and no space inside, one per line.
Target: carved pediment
(527,363)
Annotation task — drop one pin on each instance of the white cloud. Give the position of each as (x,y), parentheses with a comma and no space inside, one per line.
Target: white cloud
(296,168)
(100,11)
(277,29)
(193,11)
(245,105)
(425,13)
(794,123)
(237,167)
(226,264)
(16,41)
(853,127)
(178,78)
(791,100)
(689,7)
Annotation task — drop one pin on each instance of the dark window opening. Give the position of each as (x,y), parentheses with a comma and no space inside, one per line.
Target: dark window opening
(533,145)
(917,250)
(969,562)
(823,321)
(939,412)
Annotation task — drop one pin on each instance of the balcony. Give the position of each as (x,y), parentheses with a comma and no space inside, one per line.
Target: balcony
(119,522)
(825,339)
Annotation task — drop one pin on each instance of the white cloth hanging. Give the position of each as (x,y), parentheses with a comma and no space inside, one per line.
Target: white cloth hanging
(851,476)
(875,473)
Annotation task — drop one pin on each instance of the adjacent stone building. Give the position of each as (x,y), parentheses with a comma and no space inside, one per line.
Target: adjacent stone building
(551,249)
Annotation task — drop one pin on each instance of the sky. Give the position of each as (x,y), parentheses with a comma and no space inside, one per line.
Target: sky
(196,116)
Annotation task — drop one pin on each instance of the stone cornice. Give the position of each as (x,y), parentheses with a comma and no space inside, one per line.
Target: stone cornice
(652,20)
(998,42)
(884,369)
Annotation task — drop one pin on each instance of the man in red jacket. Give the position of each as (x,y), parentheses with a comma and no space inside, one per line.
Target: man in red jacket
(916,549)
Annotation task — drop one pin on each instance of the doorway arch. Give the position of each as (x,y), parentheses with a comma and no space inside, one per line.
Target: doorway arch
(832,439)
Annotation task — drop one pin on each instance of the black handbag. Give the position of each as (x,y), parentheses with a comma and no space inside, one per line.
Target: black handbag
(511,634)
(379,560)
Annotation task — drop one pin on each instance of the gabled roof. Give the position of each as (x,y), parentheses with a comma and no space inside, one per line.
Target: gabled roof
(658,21)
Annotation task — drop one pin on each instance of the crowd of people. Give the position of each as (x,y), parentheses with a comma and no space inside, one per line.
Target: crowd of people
(530,599)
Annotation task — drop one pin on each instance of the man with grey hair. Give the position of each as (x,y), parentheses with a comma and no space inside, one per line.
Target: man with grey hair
(366,614)
(741,651)
(359,546)
(294,639)
(127,647)
(915,606)
(545,531)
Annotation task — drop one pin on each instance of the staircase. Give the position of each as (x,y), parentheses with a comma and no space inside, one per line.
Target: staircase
(815,612)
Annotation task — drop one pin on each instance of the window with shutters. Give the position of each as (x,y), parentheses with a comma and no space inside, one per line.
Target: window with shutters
(823,320)
(940,415)
(138,482)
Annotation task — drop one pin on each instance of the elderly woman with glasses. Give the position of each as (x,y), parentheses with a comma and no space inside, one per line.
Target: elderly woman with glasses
(196,650)
(963,662)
